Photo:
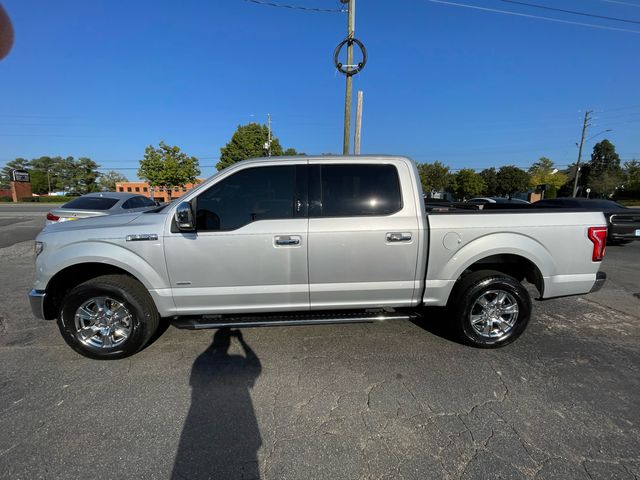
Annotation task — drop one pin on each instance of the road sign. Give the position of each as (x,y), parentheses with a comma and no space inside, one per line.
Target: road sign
(20,175)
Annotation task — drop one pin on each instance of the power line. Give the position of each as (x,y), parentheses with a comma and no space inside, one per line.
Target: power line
(538,17)
(629,107)
(572,12)
(622,3)
(296,7)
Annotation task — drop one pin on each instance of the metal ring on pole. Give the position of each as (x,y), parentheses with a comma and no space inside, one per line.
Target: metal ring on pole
(350,70)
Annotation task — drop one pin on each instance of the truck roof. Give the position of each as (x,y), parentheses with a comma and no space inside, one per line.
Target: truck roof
(342,158)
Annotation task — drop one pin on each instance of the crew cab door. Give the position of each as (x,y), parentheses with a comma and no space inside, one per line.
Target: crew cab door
(249,250)
(363,234)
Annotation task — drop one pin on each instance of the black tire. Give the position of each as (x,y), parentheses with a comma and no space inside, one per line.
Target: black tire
(466,300)
(141,320)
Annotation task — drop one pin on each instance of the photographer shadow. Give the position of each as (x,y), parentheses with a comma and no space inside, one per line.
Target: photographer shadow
(220,437)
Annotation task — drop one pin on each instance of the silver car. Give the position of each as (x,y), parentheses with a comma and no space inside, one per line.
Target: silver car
(98,204)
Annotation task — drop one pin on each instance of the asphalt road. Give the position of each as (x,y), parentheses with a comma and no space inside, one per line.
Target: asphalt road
(21,222)
(388,400)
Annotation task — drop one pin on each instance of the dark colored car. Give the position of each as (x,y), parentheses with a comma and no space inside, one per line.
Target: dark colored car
(623,222)
(492,200)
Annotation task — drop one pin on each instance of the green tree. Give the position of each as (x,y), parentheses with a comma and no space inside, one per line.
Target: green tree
(63,173)
(604,158)
(632,180)
(39,182)
(632,170)
(490,177)
(606,183)
(512,180)
(434,177)
(543,172)
(248,141)
(107,181)
(466,184)
(605,173)
(168,167)
(42,181)
(59,173)
(292,152)
(85,175)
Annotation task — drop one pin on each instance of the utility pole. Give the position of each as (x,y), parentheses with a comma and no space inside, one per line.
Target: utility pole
(269,137)
(347,97)
(356,141)
(585,125)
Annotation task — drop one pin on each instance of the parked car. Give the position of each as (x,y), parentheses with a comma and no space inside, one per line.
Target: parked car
(623,223)
(500,200)
(308,240)
(98,204)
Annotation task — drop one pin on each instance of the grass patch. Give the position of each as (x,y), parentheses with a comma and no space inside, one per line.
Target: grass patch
(630,203)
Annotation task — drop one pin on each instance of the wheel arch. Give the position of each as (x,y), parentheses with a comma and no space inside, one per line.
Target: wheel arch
(72,276)
(515,254)
(514,265)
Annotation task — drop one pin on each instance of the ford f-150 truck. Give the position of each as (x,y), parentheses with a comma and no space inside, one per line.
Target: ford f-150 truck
(304,240)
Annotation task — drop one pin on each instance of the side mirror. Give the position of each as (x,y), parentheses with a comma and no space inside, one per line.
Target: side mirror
(184,217)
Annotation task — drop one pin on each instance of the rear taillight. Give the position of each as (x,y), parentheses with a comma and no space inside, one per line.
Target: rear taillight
(598,235)
(52,217)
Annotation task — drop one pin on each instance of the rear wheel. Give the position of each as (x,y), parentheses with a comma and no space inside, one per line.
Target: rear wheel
(108,317)
(491,309)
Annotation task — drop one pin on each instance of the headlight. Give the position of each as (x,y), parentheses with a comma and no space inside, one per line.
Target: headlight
(38,247)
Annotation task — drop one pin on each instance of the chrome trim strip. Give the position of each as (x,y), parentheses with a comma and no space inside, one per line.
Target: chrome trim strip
(193,324)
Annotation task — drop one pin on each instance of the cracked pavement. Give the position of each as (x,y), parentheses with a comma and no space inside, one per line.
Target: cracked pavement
(366,401)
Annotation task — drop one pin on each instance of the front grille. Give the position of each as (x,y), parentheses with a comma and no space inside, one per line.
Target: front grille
(625,219)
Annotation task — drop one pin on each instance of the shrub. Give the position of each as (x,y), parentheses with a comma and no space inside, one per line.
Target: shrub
(52,199)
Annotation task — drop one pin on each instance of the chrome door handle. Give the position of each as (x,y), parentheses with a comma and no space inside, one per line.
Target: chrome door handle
(398,237)
(284,240)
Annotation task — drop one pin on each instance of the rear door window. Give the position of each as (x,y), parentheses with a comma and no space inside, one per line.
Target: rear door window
(359,190)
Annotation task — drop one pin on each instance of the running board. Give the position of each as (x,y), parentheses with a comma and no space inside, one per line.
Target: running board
(201,323)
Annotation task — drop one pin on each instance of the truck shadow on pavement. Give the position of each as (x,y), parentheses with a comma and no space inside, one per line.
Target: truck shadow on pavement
(437,321)
(220,437)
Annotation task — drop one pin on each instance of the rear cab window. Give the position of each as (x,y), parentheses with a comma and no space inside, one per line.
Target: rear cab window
(91,203)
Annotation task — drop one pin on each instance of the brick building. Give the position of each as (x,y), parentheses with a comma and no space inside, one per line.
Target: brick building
(160,194)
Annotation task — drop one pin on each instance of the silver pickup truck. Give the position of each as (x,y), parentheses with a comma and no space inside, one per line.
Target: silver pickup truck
(307,240)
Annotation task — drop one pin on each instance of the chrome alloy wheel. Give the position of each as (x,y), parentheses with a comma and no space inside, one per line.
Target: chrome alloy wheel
(494,314)
(102,322)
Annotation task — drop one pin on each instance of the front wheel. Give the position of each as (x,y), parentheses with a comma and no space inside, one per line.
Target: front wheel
(108,317)
(491,309)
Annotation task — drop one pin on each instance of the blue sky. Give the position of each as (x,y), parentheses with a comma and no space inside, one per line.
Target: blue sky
(470,88)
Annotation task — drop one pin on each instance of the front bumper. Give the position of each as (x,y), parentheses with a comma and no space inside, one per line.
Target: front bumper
(601,277)
(36,299)
(624,232)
